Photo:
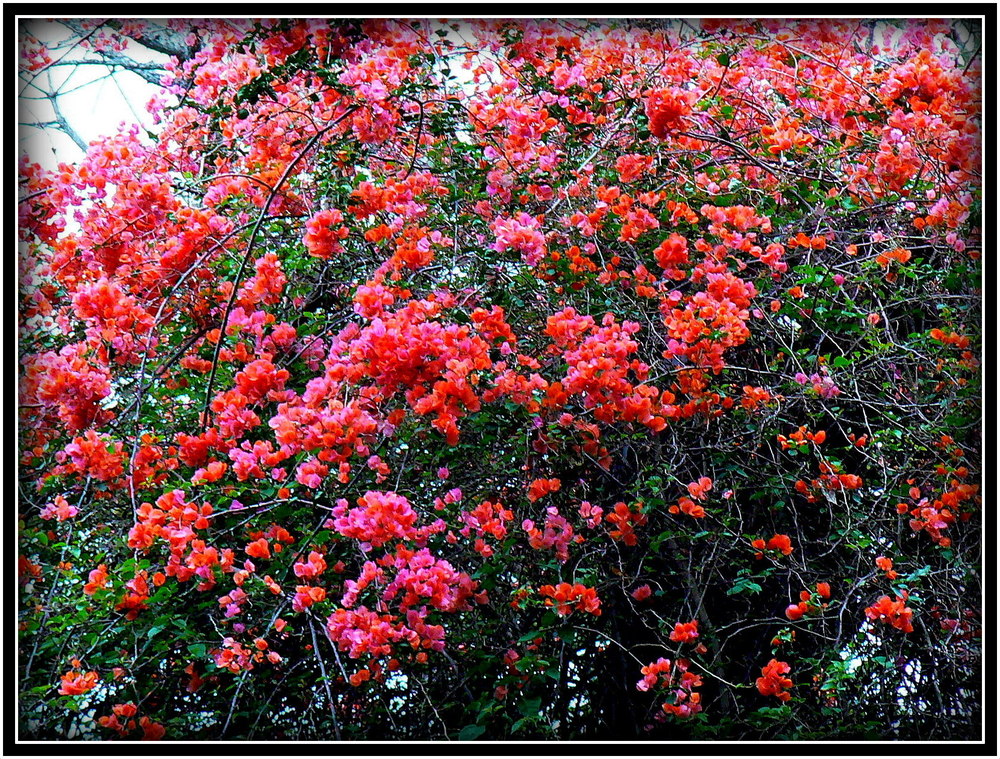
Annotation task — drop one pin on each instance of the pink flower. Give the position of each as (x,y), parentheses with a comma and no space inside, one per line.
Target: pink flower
(59,509)
(520,233)
(642,593)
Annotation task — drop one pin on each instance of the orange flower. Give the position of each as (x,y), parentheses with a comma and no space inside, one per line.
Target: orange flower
(795,612)
(97,580)
(624,521)
(75,683)
(151,731)
(642,593)
(890,612)
(540,488)
(780,543)
(124,710)
(567,598)
(259,549)
(687,506)
(685,632)
(886,566)
(700,488)
(773,681)
(898,254)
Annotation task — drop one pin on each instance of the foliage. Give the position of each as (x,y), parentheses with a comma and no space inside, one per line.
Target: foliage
(511,380)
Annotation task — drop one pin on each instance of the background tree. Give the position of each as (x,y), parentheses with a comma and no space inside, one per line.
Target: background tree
(492,379)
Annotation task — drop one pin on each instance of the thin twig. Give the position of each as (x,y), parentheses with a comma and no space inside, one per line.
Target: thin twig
(250,245)
(326,680)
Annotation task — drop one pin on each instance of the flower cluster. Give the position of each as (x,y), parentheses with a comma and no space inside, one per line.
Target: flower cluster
(379,518)
(778,543)
(666,109)
(557,534)
(568,598)
(75,683)
(892,612)
(674,677)
(685,632)
(773,682)
(324,233)
(808,603)
(622,522)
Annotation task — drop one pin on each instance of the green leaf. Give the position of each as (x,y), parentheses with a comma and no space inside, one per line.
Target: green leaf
(744,586)
(198,650)
(471,732)
(530,707)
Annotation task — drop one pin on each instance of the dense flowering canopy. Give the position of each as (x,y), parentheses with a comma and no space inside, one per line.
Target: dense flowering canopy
(414,379)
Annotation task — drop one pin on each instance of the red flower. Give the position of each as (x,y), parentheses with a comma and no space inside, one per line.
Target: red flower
(772,682)
(895,613)
(795,612)
(359,677)
(135,599)
(886,566)
(540,488)
(567,598)
(259,549)
(683,700)
(151,731)
(700,488)
(685,632)
(666,110)
(324,231)
(780,543)
(75,683)
(642,593)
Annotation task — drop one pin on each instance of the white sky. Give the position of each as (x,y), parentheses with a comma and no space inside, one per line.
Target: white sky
(94,100)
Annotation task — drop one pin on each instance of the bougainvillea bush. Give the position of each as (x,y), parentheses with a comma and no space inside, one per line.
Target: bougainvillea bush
(528,380)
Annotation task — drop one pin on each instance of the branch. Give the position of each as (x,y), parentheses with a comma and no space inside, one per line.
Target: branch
(250,245)
(64,125)
(326,680)
(113,60)
(159,39)
(151,72)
